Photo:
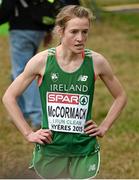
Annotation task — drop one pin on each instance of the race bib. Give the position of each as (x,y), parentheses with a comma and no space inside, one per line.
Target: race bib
(67,112)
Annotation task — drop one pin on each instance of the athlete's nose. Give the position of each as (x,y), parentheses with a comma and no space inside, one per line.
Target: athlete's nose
(79,37)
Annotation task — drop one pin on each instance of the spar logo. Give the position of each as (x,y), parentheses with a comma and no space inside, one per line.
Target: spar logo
(63,98)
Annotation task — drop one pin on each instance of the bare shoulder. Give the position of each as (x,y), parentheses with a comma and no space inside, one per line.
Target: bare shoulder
(101,64)
(98,58)
(40,58)
(37,63)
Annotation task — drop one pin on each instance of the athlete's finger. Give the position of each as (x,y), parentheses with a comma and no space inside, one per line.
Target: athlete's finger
(90,127)
(47,131)
(89,122)
(91,131)
(47,135)
(40,141)
(97,133)
(48,138)
(45,139)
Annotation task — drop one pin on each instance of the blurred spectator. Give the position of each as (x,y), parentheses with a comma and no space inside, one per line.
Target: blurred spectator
(27,28)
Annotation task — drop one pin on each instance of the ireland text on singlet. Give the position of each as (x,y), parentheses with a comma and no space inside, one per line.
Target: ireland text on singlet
(67,104)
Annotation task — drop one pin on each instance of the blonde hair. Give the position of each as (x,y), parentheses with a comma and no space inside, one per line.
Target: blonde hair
(69,12)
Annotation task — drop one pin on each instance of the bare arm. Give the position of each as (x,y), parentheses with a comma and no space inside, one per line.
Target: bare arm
(34,68)
(104,71)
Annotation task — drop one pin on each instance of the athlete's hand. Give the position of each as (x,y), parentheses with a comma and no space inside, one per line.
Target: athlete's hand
(93,130)
(41,136)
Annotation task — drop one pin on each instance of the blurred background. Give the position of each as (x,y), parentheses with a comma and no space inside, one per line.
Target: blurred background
(115,34)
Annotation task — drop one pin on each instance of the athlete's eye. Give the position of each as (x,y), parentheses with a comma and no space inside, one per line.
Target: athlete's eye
(85,31)
(74,31)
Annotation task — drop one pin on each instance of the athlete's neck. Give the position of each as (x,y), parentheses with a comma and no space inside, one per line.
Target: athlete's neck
(68,60)
(67,55)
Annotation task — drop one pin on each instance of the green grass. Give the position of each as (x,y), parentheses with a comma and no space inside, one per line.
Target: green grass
(3,29)
(116,37)
(115,2)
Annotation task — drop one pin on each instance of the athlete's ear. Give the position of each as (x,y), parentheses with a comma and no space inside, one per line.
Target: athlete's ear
(59,31)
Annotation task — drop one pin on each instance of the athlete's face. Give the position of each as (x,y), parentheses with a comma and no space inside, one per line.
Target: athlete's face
(75,34)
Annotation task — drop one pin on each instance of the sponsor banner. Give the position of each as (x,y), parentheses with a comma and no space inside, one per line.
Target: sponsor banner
(67,112)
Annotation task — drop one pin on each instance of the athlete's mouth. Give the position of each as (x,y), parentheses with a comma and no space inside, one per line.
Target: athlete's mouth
(79,45)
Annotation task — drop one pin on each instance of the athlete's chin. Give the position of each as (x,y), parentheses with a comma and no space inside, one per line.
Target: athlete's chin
(78,51)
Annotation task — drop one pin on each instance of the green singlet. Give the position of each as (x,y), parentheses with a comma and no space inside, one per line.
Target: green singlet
(67,104)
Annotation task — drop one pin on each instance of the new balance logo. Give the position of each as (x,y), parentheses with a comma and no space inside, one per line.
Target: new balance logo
(92,167)
(83,78)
